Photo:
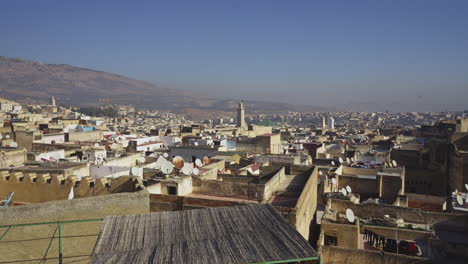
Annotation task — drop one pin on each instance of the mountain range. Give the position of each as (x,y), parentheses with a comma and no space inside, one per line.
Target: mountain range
(35,82)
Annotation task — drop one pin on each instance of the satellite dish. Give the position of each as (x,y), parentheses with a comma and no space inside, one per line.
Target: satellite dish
(198,162)
(166,155)
(350,215)
(7,136)
(65,130)
(141,159)
(459,200)
(352,159)
(333,181)
(167,167)
(13,144)
(206,160)
(96,145)
(333,163)
(159,162)
(195,143)
(187,169)
(1,136)
(394,163)
(178,162)
(341,160)
(196,172)
(134,171)
(343,191)
(320,173)
(348,160)
(466,187)
(348,189)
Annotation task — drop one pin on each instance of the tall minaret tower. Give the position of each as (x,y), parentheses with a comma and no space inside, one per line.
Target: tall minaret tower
(52,101)
(241,115)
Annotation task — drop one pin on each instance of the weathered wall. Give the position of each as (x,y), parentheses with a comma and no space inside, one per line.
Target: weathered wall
(359,171)
(365,187)
(77,209)
(37,188)
(12,157)
(129,160)
(347,234)
(273,184)
(91,136)
(160,203)
(410,215)
(339,255)
(307,204)
(228,189)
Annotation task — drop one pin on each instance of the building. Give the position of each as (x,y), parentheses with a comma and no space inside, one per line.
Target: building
(241,115)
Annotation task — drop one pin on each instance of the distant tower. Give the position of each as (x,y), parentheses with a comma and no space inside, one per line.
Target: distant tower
(53,101)
(324,122)
(331,123)
(241,115)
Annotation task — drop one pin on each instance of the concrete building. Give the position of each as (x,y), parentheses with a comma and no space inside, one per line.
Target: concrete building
(241,116)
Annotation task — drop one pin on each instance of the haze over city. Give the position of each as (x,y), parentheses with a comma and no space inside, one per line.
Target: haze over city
(350,55)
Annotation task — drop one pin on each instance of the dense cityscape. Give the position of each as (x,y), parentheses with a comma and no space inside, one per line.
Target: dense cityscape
(379,187)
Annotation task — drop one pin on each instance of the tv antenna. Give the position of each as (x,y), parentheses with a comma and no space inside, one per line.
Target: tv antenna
(348,189)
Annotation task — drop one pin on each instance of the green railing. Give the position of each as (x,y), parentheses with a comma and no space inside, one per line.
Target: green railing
(57,229)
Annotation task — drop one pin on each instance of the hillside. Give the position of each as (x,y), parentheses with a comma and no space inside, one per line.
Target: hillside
(34,82)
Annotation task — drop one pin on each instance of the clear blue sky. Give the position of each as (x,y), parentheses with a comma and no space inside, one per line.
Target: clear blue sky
(367,55)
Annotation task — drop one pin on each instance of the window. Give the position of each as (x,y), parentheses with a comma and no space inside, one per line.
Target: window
(172,190)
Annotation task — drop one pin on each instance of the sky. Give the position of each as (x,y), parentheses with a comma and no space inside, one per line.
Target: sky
(359,55)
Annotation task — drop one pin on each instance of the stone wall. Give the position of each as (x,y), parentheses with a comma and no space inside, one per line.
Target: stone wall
(228,189)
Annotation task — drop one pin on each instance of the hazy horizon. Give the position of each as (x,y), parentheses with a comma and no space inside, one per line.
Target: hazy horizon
(350,55)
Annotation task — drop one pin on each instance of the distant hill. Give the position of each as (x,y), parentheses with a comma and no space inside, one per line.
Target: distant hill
(34,82)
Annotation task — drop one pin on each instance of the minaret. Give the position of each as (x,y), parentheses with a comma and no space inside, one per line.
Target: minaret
(53,101)
(241,115)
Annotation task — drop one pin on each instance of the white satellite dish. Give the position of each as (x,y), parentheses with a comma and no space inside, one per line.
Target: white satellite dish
(320,173)
(96,145)
(350,215)
(13,144)
(343,191)
(159,162)
(394,163)
(466,187)
(187,169)
(7,136)
(333,180)
(166,155)
(195,143)
(341,160)
(332,163)
(1,136)
(141,159)
(167,167)
(198,162)
(348,189)
(459,200)
(196,172)
(348,160)
(134,171)
(352,159)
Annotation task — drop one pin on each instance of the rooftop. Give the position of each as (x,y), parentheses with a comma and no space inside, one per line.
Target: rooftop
(239,234)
